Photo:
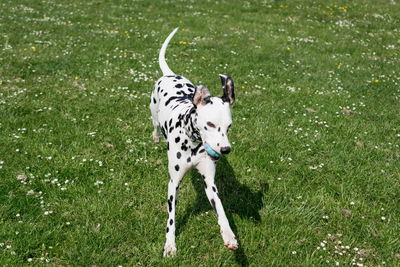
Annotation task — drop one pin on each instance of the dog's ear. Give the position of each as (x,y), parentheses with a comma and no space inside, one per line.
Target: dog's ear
(227,88)
(201,96)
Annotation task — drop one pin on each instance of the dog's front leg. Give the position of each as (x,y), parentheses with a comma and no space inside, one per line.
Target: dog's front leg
(207,169)
(173,186)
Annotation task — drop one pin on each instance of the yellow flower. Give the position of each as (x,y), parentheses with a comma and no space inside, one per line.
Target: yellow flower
(76,77)
(289,49)
(33,48)
(183,42)
(375,80)
(203,57)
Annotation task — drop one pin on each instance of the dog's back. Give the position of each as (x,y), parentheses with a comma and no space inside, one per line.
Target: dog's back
(172,94)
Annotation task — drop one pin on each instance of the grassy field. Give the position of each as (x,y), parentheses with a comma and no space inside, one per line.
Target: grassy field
(314,176)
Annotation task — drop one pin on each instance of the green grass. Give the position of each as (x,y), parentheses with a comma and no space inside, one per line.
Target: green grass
(315,137)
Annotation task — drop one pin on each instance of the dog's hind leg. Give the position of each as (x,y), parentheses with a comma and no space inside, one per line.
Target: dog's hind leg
(154,117)
(207,170)
(156,132)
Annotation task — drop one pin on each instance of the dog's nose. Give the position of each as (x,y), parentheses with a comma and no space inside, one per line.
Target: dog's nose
(225,149)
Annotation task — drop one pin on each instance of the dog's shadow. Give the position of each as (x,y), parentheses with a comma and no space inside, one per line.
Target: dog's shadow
(236,198)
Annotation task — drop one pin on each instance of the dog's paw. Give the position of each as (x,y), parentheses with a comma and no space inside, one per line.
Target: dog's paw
(229,240)
(156,139)
(169,250)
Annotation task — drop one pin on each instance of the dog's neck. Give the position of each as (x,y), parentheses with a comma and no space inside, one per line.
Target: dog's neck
(190,125)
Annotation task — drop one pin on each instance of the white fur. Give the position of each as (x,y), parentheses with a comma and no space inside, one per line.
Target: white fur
(161,58)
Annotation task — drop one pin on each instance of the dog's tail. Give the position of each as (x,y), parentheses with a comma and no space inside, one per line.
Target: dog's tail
(161,58)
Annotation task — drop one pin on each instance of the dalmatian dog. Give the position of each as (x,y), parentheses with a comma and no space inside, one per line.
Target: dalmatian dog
(195,126)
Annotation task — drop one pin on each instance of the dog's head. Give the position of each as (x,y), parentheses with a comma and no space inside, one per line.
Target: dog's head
(214,116)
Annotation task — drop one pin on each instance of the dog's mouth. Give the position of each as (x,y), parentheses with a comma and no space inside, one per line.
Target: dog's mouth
(214,155)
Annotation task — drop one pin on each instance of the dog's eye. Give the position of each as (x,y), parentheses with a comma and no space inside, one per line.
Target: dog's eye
(212,125)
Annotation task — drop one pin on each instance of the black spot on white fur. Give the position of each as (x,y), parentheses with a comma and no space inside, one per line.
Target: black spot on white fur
(169,205)
(184,147)
(213,205)
(196,149)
